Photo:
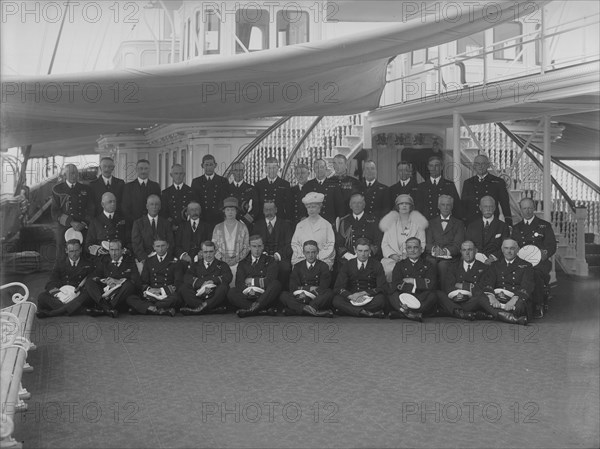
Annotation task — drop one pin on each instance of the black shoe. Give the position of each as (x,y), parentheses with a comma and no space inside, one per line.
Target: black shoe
(480,315)
(508,317)
(379,314)
(318,313)
(244,313)
(538,312)
(396,315)
(218,310)
(415,316)
(272,311)
(288,312)
(94,312)
(171,312)
(187,311)
(461,314)
(132,311)
(114,313)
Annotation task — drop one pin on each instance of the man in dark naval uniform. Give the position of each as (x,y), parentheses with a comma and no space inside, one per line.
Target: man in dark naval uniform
(191,234)
(136,192)
(161,278)
(356,225)
(272,187)
(256,284)
(111,271)
(210,190)
(360,278)
(515,277)
(464,274)
(415,276)
(109,225)
(311,278)
(377,195)
(535,231)
(346,184)
(406,185)
(72,206)
(487,232)
(174,199)
(206,283)
(106,182)
(276,234)
(435,185)
(246,195)
(147,228)
(298,192)
(71,270)
(484,184)
(332,202)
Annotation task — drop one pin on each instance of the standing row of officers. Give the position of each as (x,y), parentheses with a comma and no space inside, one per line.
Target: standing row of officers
(336,246)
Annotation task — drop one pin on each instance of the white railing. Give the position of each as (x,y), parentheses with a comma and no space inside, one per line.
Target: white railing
(448,73)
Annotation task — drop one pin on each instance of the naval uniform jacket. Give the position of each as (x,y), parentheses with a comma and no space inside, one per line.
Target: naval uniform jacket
(278,191)
(174,202)
(377,199)
(423,272)
(103,229)
(166,274)
(298,209)
(450,238)
(63,273)
(127,269)
(426,201)
(370,280)
(302,278)
(487,242)
(398,189)
(72,204)
(99,188)
(351,229)
(538,233)
(210,194)
(347,186)
(516,278)
(263,273)
(456,274)
(134,199)
(474,189)
(197,274)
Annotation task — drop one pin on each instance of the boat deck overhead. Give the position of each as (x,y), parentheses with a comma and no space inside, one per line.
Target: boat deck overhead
(220,381)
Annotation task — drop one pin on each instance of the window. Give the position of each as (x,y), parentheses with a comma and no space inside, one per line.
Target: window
(425,56)
(212,33)
(538,45)
(507,31)
(292,27)
(471,45)
(418,57)
(252,29)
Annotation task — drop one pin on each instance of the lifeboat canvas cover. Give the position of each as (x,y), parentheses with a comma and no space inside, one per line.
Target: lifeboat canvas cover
(330,77)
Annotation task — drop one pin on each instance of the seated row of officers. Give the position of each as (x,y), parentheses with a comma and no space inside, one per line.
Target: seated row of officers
(360,289)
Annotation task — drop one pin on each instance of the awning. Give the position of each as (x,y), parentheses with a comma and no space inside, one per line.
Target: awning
(333,77)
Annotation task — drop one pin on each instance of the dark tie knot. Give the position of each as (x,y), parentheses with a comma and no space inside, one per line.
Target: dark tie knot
(445,220)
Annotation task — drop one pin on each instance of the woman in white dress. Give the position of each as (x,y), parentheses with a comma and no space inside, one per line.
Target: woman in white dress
(314,227)
(231,237)
(398,226)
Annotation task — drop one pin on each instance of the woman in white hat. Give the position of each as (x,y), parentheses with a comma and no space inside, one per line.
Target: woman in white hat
(231,237)
(397,227)
(314,227)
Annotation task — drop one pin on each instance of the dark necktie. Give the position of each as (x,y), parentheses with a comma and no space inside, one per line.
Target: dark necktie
(310,266)
(270,227)
(468,266)
(486,227)
(160,259)
(154,226)
(362,267)
(107,186)
(178,188)
(255,262)
(194,227)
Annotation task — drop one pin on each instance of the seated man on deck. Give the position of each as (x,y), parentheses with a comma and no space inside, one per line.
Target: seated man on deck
(161,278)
(206,283)
(108,225)
(191,234)
(256,284)
(72,271)
(309,290)
(115,278)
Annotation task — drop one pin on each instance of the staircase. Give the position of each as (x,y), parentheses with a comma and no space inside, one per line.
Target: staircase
(296,140)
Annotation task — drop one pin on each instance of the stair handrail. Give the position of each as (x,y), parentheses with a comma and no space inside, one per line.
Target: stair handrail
(555,160)
(521,144)
(255,143)
(298,145)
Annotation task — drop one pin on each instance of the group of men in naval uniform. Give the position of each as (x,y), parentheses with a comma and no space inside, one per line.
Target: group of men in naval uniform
(182,217)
